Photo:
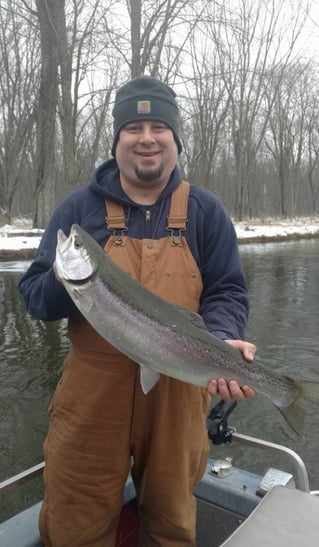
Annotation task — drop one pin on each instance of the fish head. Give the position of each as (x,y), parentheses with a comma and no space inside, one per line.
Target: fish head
(73,263)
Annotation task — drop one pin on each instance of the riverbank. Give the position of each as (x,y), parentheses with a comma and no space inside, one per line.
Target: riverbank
(19,242)
(272,230)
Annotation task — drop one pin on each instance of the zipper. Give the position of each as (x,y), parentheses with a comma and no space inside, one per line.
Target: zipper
(147,215)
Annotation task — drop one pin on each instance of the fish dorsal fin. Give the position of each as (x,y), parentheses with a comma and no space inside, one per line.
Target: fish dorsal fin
(190,316)
(148,379)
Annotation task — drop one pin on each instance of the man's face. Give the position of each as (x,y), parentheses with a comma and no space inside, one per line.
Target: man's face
(146,153)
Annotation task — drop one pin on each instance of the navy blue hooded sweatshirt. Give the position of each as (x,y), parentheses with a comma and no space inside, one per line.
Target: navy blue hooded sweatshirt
(210,235)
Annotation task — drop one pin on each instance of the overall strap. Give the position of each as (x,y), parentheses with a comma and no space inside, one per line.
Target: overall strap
(177,218)
(115,217)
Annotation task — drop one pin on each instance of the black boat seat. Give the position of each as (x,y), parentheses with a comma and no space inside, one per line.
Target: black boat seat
(285,517)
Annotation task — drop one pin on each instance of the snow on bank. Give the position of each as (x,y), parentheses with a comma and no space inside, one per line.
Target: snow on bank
(277,230)
(20,242)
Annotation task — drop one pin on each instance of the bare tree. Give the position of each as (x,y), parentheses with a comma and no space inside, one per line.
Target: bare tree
(204,115)
(69,51)
(18,63)
(149,25)
(249,41)
(312,138)
(228,61)
(47,14)
(75,30)
(292,137)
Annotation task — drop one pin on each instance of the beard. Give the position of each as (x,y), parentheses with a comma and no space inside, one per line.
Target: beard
(149,176)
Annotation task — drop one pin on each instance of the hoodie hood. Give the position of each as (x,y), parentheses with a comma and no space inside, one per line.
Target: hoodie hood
(105,182)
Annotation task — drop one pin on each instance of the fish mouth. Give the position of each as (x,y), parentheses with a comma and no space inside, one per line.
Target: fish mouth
(82,281)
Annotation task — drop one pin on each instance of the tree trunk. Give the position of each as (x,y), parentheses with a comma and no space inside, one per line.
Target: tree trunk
(46,112)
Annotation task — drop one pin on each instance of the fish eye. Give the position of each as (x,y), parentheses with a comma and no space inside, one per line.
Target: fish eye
(77,244)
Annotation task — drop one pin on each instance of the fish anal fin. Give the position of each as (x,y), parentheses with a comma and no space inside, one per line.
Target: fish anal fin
(148,379)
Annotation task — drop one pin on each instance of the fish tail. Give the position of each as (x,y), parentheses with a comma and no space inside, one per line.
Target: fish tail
(295,413)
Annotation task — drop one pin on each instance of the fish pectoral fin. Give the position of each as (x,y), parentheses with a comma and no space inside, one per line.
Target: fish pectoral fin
(148,379)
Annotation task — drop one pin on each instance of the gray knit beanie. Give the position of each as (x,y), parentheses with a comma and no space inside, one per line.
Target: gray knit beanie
(145,98)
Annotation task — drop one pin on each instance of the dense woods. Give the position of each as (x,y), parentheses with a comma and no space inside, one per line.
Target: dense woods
(246,80)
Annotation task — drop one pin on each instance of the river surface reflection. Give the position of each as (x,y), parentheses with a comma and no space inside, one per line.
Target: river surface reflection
(283,280)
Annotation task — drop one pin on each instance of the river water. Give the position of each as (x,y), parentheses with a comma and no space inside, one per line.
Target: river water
(283,280)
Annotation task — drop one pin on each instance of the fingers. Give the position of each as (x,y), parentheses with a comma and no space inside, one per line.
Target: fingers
(248,392)
(249,352)
(212,388)
(229,391)
(247,349)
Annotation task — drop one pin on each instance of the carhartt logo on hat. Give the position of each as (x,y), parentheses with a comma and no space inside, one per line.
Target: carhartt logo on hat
(143,107)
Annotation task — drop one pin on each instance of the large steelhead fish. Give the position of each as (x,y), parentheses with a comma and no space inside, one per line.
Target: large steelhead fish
(161,337)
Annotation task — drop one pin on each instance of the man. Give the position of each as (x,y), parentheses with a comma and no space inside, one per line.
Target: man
(177,240)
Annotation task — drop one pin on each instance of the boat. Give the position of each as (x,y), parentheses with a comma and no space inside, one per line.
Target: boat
(235,507)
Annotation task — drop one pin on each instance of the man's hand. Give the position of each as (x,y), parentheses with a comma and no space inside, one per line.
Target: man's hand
(231,390)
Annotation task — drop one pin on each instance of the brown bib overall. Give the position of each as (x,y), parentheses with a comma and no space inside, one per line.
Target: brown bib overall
(101,422)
